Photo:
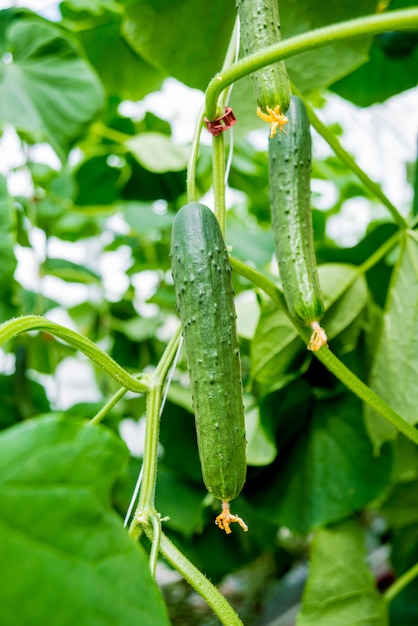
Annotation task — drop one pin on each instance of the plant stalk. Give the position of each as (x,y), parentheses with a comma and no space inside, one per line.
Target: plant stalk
(14,327)
(400,584)
(404,19)
(217,602)
(328,358)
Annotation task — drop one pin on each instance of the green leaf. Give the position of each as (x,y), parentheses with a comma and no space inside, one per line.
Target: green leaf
(157,152)
(122,71)
(321,67)
(261,447)
(400,508)
(321,477)
(47,90)
(186,39)
(95,7)
(392,66)
(60,535)
(340,587)
(394,371)
(276,343)
(69,271)
(182,503)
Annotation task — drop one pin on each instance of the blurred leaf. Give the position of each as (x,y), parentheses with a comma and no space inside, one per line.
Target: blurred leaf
(98,182)
(392,66)
(157,152)
(261,447)
(48,90)
(182,503)
(400,508)
(69,271)
(143,219)
(21,398)
(394,371)
(168,36)
(323,66)
(65,471)
(177,424)
(148,186)
(137,329)
(123,72)
(340,587)
(321,477)
(95,7)
(276,344)
(274,348)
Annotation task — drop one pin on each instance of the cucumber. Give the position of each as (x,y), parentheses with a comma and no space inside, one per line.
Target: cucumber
(205,301)
(290,156)
(260,28)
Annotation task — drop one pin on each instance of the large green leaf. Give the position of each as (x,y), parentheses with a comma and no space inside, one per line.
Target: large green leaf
(321,67)
(394,372)
(321,478)
(276,343)
(186,39)
(392,66)
(47,89)
(123,72)
(60,536)
(340,587)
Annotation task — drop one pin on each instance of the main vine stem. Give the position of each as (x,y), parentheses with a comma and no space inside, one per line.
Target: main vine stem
(404,19)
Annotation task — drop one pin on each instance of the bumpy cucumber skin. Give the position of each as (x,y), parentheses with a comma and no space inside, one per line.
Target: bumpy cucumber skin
(205,301)
(260,28)
(290,154)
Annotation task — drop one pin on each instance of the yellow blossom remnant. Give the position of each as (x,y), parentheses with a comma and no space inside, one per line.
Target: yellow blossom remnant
(318,337)
(274,118)
(226,518)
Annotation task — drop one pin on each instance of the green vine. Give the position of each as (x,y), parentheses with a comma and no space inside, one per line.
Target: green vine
(19,325)
(404,19)
(346,158)
(328,358)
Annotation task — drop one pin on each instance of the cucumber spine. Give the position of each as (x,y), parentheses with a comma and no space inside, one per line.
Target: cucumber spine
(290,155)
(205,301)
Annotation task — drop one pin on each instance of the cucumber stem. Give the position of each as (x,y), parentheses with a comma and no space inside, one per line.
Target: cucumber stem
(328,358)
(146,502)
(403,19)
(14,327)
(217,602)
(399,584)
(218,179)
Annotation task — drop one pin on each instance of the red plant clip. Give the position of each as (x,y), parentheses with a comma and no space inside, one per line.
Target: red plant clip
(222,123)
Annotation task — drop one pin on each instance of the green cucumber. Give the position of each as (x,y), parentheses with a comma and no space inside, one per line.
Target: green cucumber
(290,155)
(260,28)
(205,301)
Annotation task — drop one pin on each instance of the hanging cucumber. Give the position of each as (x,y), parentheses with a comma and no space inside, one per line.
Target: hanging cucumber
(260,28)
(205,301)
(290,174)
